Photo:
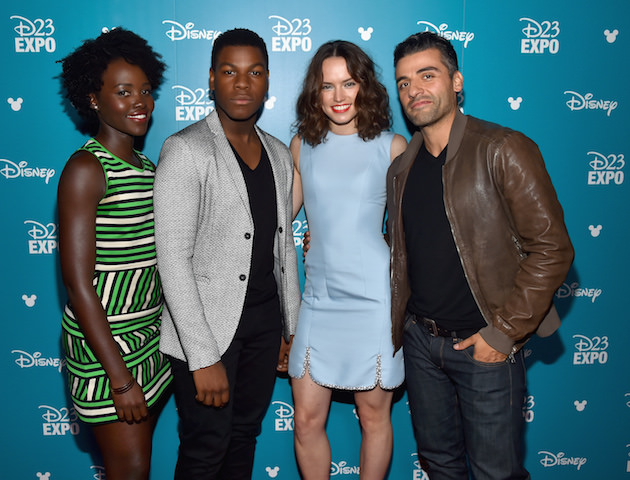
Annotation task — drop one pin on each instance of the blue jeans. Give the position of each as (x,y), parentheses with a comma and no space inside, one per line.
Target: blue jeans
(467,415)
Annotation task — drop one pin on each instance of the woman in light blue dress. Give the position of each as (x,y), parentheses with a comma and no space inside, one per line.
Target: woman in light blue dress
(343,340)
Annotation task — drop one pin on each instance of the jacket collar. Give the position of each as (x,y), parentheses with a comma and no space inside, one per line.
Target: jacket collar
(454,141)
(213,122)
(409,155)
(456,135)
(225,153)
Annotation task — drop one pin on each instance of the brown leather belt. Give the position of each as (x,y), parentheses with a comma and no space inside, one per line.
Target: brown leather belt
(436,331)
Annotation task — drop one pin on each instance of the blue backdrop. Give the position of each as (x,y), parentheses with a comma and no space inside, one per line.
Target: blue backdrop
(552,69)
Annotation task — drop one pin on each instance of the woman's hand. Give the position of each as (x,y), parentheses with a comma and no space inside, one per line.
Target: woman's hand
(131,406)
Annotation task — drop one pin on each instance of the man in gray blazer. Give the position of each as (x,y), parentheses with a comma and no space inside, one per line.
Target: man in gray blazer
(223,214)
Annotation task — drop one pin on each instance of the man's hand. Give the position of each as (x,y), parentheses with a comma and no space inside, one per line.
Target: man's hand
(283,357)
(212,385)
(483,352)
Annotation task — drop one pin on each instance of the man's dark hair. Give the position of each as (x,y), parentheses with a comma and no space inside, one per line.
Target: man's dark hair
(238,37)
(421,41)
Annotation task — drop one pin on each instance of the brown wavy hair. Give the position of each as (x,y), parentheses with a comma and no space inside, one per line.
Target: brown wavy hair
(372,102)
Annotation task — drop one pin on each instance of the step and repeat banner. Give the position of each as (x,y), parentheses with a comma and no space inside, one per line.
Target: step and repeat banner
(556,71)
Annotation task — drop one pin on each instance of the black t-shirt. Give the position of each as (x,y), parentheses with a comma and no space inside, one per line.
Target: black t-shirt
(261,189)
(439,289)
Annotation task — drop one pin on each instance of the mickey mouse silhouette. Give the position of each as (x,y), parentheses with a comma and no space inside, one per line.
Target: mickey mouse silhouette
(270,102)
(611,36)
(16,105)
(366,33)
(272,472)
(43,476)
(595,230)
(29,301)
(515,103)
(580,406)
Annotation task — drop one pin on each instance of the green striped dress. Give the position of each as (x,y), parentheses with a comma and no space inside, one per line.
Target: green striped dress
(127,281)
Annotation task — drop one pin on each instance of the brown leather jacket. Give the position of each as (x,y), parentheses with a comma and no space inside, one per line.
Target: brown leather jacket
(508,228)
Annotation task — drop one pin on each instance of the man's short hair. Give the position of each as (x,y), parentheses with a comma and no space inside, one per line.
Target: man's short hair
(421,41)
(238,37)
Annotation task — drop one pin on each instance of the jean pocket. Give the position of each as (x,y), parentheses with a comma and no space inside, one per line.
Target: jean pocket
(409,322)
(469,352)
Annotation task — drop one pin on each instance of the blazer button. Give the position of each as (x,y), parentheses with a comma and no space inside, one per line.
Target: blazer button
(280,229)
(242,277)
(248,236)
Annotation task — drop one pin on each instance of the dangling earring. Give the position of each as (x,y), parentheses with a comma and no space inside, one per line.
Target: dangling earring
(94,107)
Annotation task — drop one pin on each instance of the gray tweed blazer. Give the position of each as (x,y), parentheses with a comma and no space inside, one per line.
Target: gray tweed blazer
(204,252)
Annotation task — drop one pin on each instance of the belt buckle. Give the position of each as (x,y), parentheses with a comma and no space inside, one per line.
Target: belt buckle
(431,326)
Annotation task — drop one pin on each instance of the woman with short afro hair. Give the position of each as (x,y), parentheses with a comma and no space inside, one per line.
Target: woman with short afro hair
(111,324)
(83,68)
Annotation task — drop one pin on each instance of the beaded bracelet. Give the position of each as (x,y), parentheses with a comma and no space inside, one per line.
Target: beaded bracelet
(125,388)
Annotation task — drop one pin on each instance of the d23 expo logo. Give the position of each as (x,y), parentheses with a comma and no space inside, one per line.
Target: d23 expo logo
(284,416)
(528,408)
(59,421)
(43,237)
(192,103)
(291,35)
(540,37)
(606,169)
(590,350)
(300,227)
(34,36)
(418,473)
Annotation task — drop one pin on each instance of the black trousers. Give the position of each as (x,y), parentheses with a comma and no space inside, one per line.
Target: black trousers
(219,443)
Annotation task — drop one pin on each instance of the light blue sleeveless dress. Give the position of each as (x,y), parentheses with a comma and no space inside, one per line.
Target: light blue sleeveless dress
(343,336)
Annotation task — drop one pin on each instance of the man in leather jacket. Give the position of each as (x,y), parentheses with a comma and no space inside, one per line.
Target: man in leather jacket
(478,248)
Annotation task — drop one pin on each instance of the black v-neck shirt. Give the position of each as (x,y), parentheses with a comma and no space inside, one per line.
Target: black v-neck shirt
(261,190)
(439,289)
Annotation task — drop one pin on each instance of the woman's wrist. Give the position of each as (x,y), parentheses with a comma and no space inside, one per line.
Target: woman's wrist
(124,389)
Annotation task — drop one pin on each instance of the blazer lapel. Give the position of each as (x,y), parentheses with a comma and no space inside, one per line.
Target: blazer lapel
(226,157)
